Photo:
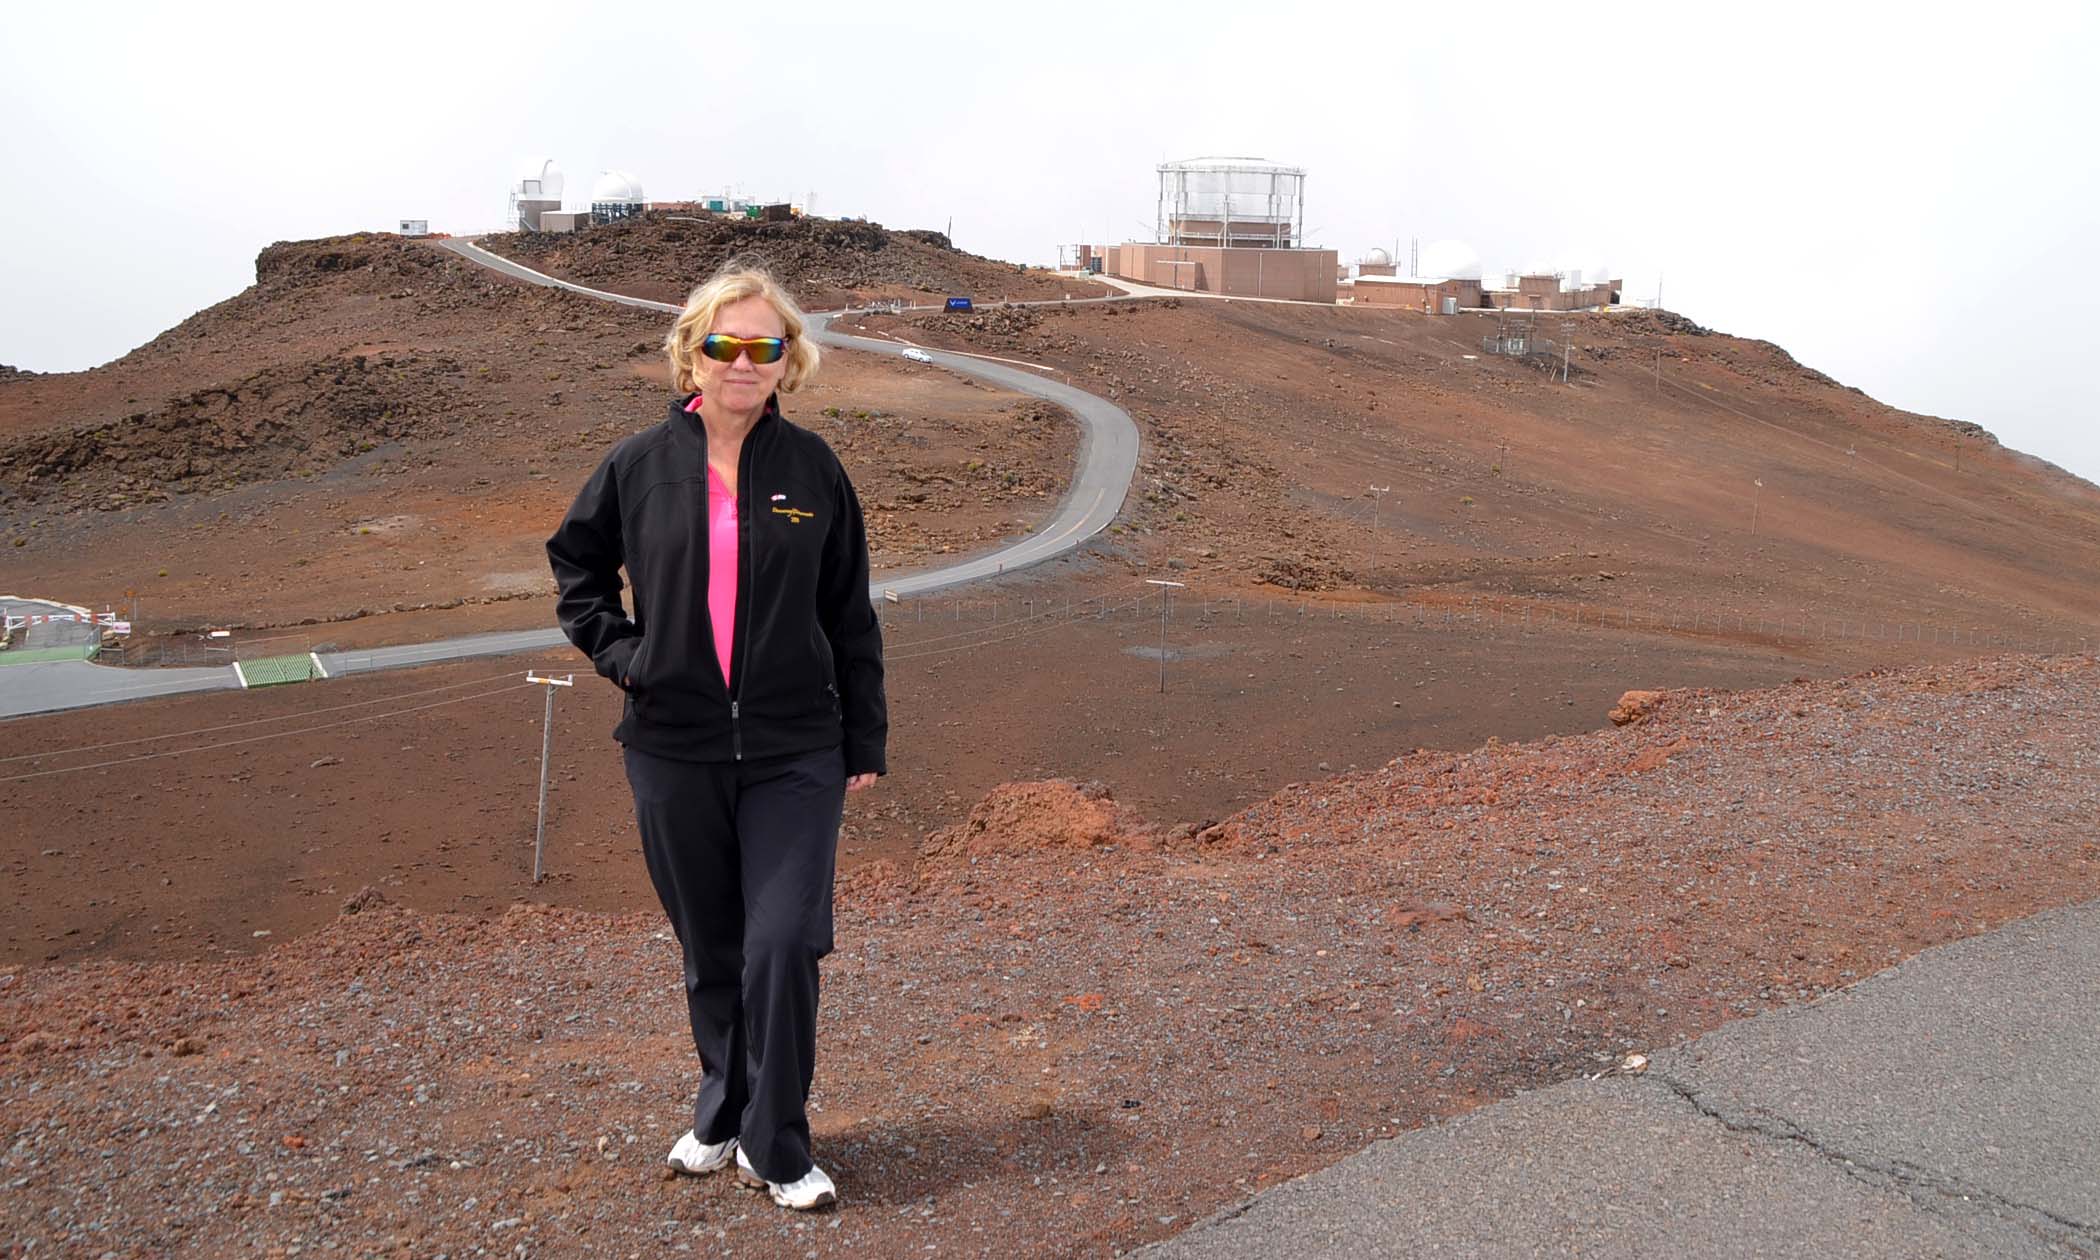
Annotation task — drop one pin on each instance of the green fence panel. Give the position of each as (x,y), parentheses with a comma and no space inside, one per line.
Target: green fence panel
(274,671)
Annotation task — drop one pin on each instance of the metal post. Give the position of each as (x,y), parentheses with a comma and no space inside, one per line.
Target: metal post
(539,831)
(1165,595)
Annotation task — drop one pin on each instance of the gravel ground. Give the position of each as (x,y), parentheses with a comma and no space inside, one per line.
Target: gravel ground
(1061,1025)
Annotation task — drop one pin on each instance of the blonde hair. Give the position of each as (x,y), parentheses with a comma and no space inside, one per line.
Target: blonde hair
(733,283)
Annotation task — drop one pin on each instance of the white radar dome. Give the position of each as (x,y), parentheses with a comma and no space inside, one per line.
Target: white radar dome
(1378,258)
(541,177)
(1449,260)
(617,188)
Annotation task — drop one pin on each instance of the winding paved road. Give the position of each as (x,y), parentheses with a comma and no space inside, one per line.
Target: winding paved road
(1108,452)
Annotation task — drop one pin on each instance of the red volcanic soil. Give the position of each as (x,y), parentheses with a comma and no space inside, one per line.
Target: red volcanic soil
(378,427)
(261,808)
(1112,955)
(829,263)
(1059,1022)
(1635,485)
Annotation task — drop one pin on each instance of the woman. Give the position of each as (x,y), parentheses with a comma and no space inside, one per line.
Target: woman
(753,670)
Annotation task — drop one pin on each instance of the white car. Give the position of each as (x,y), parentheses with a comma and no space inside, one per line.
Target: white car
(917,355)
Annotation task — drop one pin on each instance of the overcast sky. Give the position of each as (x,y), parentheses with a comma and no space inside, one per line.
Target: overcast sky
(1902,196)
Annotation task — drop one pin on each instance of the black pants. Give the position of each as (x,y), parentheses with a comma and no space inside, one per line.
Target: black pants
(742,855)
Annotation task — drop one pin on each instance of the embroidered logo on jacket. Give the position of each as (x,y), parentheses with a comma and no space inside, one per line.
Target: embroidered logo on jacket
(795,515)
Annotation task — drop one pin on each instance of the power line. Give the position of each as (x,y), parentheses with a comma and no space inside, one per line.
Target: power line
(1021,634)
(963,634)
(282,717)
(256,739)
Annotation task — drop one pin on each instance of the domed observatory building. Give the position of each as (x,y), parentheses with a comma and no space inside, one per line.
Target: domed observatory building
(1448,260)
(616,195)
(535,193)
(1446,281)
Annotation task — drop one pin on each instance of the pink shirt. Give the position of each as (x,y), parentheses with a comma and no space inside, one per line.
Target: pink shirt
(721,563)
(721,568)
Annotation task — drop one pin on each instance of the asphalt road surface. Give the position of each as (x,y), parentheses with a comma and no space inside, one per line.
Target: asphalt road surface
(1108,452)
(1948,1107)
(50,634)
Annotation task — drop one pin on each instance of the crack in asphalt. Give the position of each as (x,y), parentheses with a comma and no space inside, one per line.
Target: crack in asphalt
(1911,1179)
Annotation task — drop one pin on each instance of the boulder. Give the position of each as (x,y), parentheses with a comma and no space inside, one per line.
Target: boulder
(1634,706)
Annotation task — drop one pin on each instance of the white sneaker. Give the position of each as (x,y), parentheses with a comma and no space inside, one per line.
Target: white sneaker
(807,1193)
(691,1155)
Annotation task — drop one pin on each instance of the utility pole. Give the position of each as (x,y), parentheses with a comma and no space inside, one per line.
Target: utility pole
(1377,542)
(539,831)
(1166,594)
(1755,498)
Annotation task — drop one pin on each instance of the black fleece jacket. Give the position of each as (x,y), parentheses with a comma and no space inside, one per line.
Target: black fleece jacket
(807,668)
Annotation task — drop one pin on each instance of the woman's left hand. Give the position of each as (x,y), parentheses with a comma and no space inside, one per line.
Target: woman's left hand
(855,783)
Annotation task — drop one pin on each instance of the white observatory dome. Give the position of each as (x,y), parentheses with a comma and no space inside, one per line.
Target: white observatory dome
(541,178)
(1583,266)
(1449,260)
(1378,258)
(616,188)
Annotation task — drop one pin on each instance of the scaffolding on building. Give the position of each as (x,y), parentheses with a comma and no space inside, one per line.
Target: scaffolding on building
(1237,203)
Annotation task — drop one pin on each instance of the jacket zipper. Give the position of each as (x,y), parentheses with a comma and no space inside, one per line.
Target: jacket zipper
(742,646)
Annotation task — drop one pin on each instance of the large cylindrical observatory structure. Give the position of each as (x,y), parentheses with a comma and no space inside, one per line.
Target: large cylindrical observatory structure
(1233,202)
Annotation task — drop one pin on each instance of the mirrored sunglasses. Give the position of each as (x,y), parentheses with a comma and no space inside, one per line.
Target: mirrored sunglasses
(723,348)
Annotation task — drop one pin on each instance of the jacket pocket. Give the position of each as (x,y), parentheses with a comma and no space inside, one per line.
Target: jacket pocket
(638,665)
